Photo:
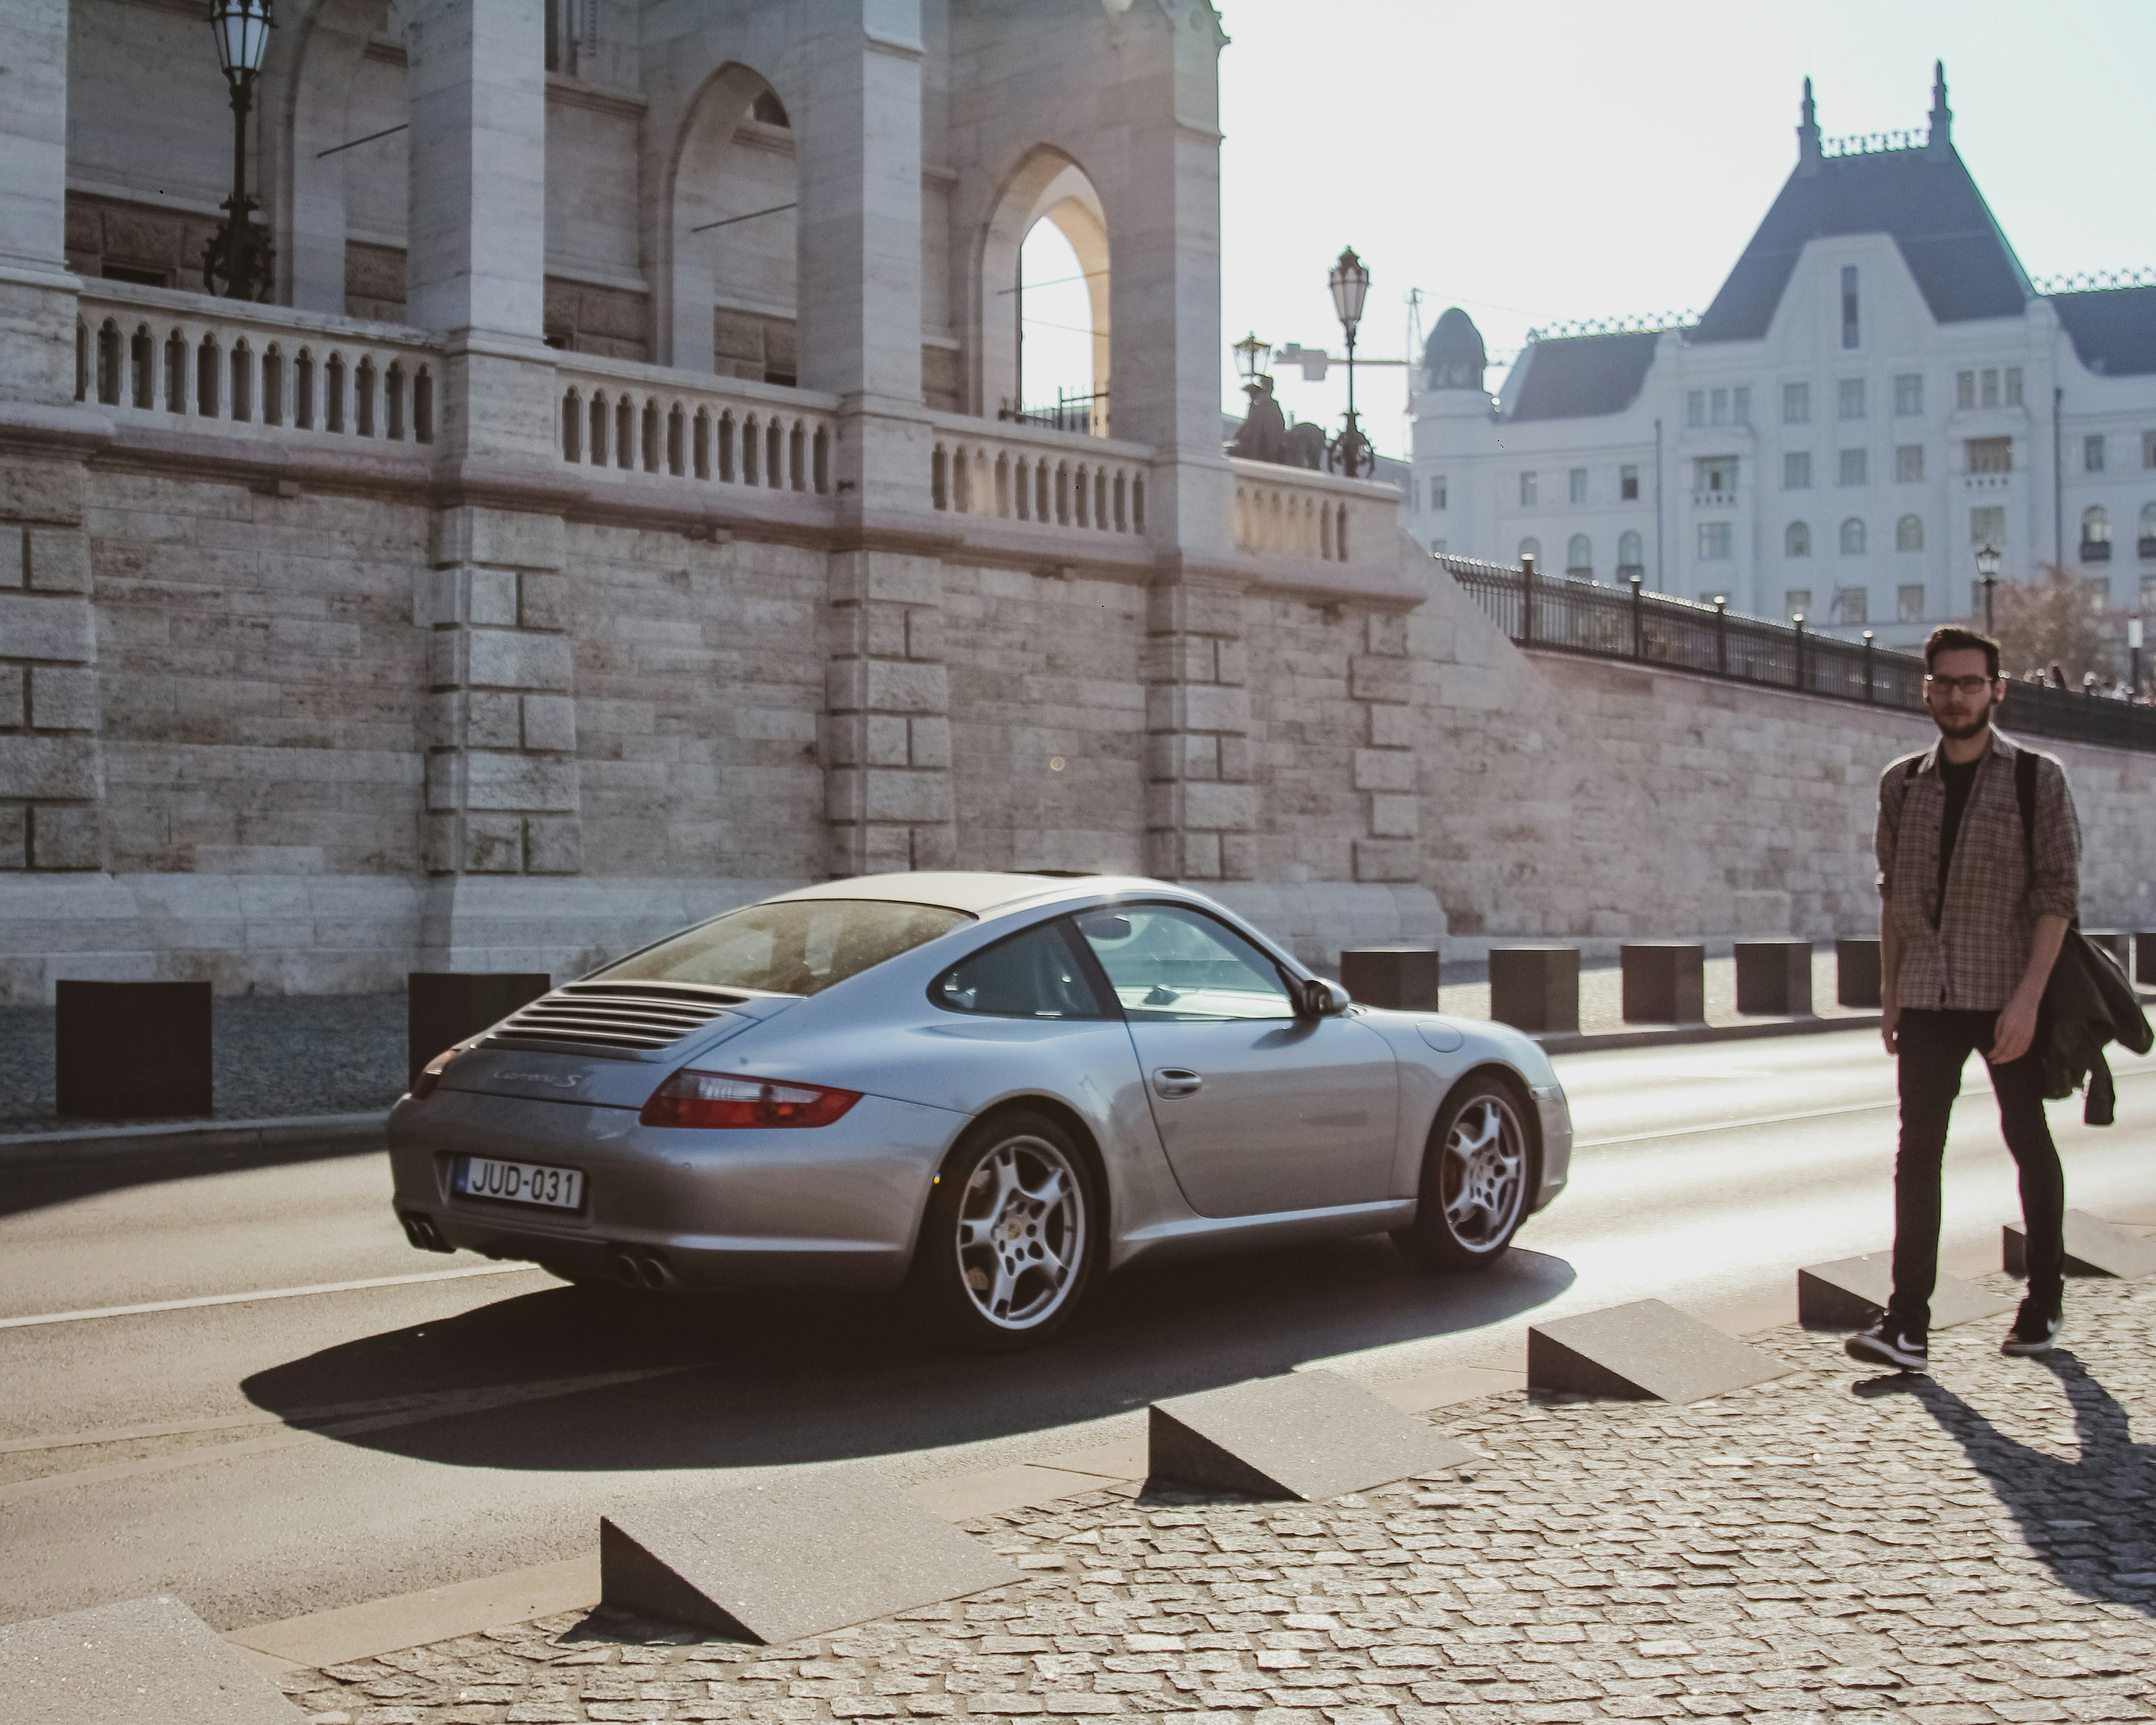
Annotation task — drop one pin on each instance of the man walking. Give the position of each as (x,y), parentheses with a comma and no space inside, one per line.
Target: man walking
(1974,908)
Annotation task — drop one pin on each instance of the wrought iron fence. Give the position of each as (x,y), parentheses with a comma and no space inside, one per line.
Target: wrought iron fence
(1085,414)
(1568,616)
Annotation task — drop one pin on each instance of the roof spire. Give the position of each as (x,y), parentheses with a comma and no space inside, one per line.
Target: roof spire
(1940,143)
(1807,136)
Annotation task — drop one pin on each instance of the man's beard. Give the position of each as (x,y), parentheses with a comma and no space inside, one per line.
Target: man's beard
(1961,729)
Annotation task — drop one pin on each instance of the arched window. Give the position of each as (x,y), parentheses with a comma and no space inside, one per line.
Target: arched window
(2096,533)
(1797,541)
(1629,559)
(1579,558)
(1852,537)
(1909,533)
(1530,548)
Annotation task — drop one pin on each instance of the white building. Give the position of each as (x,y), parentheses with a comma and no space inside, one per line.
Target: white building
(1876,390)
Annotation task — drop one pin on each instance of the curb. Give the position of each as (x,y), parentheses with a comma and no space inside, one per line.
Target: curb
(1558,1042)
(293,1138)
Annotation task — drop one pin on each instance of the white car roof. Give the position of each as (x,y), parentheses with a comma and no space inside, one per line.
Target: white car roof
(976,894)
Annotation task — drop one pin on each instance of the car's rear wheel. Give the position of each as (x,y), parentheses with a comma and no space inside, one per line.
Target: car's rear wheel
(1007,1244)
(1473,1192)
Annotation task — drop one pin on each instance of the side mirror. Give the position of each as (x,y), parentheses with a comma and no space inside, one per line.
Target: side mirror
(1318,999)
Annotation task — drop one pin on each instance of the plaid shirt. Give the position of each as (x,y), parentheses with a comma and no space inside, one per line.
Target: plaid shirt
(1969,953)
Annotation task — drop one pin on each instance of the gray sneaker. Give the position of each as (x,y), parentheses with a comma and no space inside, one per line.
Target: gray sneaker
(1888,1343)
(2035,1332)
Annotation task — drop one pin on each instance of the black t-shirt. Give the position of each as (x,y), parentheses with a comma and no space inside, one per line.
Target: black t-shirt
(1959,779)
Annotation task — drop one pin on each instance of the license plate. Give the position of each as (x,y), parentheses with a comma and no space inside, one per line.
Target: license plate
(561,1188)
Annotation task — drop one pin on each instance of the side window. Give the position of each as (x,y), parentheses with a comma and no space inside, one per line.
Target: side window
(1037,974)
(1165,963)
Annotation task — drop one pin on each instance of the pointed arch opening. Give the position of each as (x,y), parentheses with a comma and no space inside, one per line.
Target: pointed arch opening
(1043,282)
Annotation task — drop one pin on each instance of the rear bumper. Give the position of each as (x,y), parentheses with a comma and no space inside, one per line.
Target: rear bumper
(833,1206)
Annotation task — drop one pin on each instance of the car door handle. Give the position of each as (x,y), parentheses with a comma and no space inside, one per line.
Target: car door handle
(1176,1081)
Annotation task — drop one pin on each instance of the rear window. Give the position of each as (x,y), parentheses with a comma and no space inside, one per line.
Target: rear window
(801,946)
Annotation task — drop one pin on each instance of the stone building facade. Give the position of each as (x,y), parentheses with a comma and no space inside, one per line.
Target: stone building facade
(543,567)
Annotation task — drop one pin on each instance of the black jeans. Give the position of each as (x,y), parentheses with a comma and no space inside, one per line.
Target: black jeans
(1934,1047)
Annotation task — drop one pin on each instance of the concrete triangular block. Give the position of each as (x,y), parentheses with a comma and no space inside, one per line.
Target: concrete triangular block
(1308,1436)
(2094,1247)
(149,1662)
(1643,1351)
(1851,1293)
(798,1557)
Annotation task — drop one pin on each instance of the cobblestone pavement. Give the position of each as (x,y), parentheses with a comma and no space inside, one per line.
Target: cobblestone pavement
(1977,1546)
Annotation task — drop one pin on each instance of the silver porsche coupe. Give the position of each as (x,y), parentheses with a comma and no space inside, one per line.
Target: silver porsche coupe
(984,1089)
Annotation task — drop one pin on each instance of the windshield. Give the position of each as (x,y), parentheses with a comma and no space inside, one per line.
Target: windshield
(797,946)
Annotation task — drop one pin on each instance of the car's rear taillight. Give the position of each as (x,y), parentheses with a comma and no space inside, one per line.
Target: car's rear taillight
(725,1099)
(430,1074)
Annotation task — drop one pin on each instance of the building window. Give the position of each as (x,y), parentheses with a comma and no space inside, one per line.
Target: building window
(1908,463)
(1797,470)
(1849,305)
(2148,448)
(1990,386)
(2014,385)
(1851,604)
(2147,594)
(1990,455)
(1852,537)
(1716,477)
(2099,592)
(1437,490)
(1909,533)
(1797,604)
(2092,454)
(1856,468)
(1629,562)
(1530,488)
(1628,484)
(1964,389)
(1578,486)
(2095,534)
(1579,559)
(2147,545)
(1713,541)
(1740,404)
(1530,551)
(1988,527)
(1797,404)
(1719,399)
(1909,603)
(1849,399)
(1695,406)
(1797,540)
(1908,395)
(1437,548)
(1417,488)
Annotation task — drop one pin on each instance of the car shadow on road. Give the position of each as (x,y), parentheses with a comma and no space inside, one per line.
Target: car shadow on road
(2079,1517)
(765,1378)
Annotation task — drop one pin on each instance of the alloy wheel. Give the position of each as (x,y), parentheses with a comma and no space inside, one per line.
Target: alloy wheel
(1021,1233)
(1483,1172)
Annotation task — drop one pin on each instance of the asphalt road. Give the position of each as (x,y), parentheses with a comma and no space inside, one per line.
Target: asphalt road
(265,1457)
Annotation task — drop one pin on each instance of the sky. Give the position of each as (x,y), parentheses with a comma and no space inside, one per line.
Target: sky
(1535,161)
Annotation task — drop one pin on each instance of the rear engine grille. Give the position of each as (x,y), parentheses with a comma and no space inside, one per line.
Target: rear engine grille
(605,1016)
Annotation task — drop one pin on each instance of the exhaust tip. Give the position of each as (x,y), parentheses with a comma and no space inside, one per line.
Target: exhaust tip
(642,1269)
(420,1230)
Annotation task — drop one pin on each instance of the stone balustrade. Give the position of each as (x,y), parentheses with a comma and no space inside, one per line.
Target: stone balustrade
(156,356)
(1046,479)
(617,418)
(1296,513)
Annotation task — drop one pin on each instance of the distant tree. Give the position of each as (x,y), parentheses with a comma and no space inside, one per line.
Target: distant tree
(2051,621)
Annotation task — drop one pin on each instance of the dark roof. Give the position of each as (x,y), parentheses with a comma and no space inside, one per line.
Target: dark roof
(1579,376)
(1961,262)
(1455,339)
(2113,330)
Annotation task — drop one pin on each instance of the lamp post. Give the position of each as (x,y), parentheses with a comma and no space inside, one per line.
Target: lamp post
(236,262)
(1252,356)
(1350,453)
(1987,571)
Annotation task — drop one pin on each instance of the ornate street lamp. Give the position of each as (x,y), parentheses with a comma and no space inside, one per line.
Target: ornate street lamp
(237,261)
(1987,571)
(1350,453)
(1252,357)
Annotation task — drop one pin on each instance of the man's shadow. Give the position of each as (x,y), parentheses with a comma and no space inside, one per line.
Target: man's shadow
(2089,1521)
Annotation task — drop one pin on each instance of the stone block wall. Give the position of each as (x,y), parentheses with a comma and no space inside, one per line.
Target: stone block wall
(51,778)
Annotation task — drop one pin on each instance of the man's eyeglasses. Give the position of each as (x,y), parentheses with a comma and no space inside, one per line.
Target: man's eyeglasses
(1970,686)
